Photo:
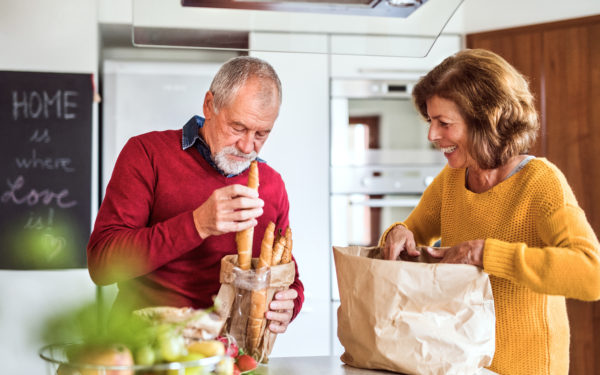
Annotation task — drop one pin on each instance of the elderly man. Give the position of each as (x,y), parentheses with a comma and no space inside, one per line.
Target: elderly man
(177,197)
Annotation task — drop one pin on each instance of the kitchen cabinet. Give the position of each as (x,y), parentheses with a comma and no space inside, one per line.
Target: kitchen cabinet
(386,67)
(562,61)
(298,148)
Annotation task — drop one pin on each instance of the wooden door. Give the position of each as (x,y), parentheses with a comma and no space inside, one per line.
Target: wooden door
(571,63)
(562,60)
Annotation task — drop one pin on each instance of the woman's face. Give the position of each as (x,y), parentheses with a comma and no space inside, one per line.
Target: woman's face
(448,132)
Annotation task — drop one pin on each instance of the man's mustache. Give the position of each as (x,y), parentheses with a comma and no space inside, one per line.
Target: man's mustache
(235,152)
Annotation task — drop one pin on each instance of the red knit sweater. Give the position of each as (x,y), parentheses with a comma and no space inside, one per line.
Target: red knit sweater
(144,236)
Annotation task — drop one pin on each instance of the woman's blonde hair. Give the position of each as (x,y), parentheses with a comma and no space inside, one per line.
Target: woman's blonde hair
(493,98)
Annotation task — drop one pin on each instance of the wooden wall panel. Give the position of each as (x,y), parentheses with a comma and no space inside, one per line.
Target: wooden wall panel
(562,60)
(573,131)
(524,51)
(572,63)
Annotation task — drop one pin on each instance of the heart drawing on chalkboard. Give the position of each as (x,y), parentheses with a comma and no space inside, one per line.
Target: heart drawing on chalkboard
(54,244)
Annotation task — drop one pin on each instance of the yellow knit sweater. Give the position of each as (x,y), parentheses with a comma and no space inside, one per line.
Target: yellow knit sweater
(539,249)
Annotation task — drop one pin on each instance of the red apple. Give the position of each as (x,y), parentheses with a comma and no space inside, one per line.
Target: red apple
(114,355)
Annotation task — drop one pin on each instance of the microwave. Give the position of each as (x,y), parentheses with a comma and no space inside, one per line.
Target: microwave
(374,122)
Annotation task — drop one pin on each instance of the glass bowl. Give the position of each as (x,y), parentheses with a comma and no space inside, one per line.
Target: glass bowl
(57,363)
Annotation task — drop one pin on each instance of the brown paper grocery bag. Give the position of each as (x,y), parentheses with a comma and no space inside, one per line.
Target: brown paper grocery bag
(413,317)
(233,300)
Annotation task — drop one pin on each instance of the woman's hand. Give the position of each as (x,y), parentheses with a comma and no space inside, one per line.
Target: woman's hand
(397,240)
(469,252)
(281,309)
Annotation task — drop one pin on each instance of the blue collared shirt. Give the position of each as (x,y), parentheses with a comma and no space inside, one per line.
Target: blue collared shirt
(191,136)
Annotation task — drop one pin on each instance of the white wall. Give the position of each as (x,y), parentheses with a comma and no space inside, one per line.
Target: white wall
(48,36)
(56,36)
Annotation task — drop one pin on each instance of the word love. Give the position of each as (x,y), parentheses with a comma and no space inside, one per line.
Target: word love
(33,197)
(33,104)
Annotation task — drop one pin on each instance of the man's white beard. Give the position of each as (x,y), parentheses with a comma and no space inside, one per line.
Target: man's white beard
(230,166)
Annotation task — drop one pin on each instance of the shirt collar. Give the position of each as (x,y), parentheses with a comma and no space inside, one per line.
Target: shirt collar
(190,132)
(191,136)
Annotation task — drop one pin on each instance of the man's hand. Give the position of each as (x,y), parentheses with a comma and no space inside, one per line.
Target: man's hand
(281,309)
(229,209)
(397,240)
(469,252)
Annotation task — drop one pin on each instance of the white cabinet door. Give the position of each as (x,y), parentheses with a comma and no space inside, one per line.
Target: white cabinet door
(298,148)
(402,68)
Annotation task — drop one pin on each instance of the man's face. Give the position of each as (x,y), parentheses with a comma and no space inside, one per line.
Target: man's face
(236,134)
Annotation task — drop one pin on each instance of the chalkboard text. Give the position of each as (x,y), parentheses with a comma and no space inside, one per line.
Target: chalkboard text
(44,162)
(36,221)
(33,104)
(33,197)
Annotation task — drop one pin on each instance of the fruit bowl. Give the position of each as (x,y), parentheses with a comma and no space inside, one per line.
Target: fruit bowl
(57,363)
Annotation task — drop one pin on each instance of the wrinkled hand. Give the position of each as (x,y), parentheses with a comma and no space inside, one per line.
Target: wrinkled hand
(281,309)
(397,240)
(229,209)
(469,252)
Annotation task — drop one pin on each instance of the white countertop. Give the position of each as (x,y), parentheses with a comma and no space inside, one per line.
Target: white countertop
(319,365)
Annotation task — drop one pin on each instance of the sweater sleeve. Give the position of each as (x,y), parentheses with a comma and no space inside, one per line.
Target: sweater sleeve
(123,245)
(282,223)
(568,266)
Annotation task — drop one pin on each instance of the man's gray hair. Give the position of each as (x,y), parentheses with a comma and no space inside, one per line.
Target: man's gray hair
(234,74)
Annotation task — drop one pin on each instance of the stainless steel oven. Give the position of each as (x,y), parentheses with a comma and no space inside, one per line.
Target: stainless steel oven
(381,160)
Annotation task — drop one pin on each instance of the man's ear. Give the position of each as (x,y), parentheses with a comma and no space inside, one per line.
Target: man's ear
(208,105)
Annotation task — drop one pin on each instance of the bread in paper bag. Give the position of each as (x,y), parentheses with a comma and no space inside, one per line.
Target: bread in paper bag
(411,317)
(235,294)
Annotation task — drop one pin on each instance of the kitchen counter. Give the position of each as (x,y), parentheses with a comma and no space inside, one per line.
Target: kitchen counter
(320,365)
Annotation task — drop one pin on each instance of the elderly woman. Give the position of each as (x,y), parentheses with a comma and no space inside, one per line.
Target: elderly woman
(495,207)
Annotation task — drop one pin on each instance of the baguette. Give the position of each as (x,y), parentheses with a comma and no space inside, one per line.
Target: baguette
(278,250)
(258,298)
(244,238)
(287,250)
(266,248)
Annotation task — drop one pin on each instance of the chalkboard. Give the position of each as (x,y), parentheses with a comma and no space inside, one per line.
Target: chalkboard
(45,174)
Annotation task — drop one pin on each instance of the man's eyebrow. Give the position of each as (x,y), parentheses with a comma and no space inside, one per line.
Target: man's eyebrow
(238,123)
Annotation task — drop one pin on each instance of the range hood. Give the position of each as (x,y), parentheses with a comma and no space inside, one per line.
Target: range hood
(397,28)
(383,8)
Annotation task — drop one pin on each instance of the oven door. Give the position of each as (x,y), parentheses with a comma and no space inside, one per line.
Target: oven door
(360,219)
